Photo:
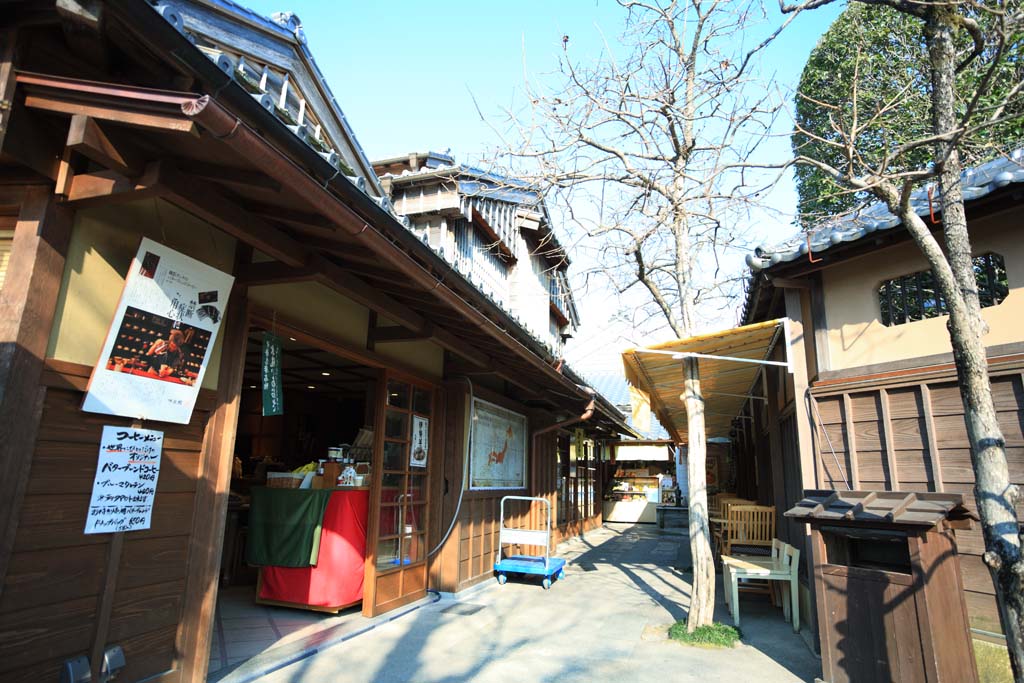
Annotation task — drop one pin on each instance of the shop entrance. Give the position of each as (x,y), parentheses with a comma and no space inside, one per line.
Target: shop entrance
(372,539)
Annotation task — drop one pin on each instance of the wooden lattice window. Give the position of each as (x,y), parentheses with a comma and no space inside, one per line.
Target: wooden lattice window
(916,297)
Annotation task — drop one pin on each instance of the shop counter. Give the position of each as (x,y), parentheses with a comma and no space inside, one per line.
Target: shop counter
(633,511)
(336,581)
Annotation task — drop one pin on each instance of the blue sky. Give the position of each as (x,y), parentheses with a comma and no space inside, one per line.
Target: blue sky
(410,76)
(406,73)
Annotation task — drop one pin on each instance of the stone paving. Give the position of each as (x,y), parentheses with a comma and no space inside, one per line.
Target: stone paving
(606,621)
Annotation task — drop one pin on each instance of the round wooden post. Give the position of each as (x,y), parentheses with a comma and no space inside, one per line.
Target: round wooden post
(702,596)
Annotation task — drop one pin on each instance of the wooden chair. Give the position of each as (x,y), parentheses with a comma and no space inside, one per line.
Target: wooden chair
(783,566)
(718,522)
(748,530)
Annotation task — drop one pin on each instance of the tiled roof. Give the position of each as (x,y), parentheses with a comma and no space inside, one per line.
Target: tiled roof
(270,89)
(977,182)
(879,508)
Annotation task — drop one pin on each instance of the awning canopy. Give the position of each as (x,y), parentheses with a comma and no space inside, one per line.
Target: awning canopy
(729,363)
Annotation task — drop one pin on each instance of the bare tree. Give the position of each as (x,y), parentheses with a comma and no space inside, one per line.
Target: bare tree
(990,34)
(650,136)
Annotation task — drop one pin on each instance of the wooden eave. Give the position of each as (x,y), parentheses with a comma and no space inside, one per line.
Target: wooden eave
(251,197)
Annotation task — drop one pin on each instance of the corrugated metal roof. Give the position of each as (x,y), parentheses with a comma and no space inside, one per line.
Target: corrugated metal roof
(879,508)
(613,386)
(977,182)
(730,361)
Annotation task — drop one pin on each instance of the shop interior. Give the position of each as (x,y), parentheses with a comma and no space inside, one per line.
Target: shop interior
(325,432)
(642,479)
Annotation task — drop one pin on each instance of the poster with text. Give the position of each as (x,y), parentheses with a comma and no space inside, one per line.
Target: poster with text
(125,482)
(419,445)
(156,352)
(498,453)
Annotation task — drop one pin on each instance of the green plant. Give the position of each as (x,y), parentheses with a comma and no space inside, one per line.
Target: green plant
(713,635)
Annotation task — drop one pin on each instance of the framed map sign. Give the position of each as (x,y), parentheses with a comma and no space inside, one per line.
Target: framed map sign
(497,458)
(158,346)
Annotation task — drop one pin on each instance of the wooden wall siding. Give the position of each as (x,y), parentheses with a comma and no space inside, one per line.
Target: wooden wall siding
(48,607)
(910,436)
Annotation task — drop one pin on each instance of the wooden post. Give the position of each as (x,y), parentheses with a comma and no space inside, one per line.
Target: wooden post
(27,305)
(851,442)
(211,500)
(887,442)
(932,440)
(702,594)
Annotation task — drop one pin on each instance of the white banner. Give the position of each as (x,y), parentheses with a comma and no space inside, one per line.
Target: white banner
(498,454)
(125,482)
(158,346)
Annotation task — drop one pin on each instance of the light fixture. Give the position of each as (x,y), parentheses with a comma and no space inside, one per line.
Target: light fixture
(291,338)
(252,386)
(310,387)
(325,374)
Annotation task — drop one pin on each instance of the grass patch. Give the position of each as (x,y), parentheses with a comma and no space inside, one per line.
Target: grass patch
(715,635)
(993,662)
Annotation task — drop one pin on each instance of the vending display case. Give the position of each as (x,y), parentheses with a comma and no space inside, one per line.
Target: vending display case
(633,495)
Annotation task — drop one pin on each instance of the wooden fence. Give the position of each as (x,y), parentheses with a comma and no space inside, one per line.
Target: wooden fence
(907,433)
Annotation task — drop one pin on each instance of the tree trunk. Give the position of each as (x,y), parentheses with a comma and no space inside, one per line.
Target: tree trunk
(702,594)
(993,492)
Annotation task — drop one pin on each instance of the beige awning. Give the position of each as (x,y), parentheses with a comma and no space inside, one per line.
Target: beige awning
(729,363)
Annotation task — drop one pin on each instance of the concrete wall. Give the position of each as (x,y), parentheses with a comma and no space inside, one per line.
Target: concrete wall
(857,336)
(103,242)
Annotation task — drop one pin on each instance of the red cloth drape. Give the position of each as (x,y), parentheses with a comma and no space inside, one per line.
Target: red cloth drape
(337,578)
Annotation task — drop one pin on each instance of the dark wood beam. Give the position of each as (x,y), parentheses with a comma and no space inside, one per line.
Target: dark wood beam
(230,175)
(155,120)
(299,219)
(272,273)
(198,198)
(88,138)
(110,187)
(30,142)
(382,335)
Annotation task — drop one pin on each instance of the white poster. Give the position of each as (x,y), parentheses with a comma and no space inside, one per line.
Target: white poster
(153,361)
(498,454)
(125,483)
(419,447)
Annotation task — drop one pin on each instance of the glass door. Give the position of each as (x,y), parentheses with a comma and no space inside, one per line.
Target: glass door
(396,567)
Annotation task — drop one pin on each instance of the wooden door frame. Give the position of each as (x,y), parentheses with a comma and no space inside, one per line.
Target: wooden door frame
(28,303)
(370,607)
(213,484)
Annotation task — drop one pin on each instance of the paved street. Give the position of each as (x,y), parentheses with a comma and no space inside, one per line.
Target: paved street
(605,622)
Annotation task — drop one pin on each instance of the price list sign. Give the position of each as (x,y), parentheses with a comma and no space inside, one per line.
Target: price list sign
(125,483)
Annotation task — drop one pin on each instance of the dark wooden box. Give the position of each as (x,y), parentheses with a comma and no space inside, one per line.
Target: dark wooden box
(888,587)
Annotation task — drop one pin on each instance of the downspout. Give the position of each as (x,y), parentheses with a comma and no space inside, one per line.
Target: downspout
(587,414)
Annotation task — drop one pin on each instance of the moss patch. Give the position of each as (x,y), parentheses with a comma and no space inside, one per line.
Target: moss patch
(993,663)
(715,635)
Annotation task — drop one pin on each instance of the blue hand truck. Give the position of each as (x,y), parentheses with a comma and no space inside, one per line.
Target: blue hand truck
(545,565)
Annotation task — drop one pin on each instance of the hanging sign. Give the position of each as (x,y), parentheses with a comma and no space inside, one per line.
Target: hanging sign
(156,352)
(125,482)
(497,458)
(419,446)
(273,393)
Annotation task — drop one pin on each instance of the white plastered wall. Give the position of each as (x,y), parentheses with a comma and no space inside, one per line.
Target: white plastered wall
(856,334)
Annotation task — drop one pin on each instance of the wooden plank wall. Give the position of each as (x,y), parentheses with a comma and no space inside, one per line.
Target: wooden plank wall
(910,436)
(48,608)
(467,557)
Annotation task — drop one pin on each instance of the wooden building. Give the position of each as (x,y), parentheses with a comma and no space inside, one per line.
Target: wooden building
(210,130)
(873,401)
